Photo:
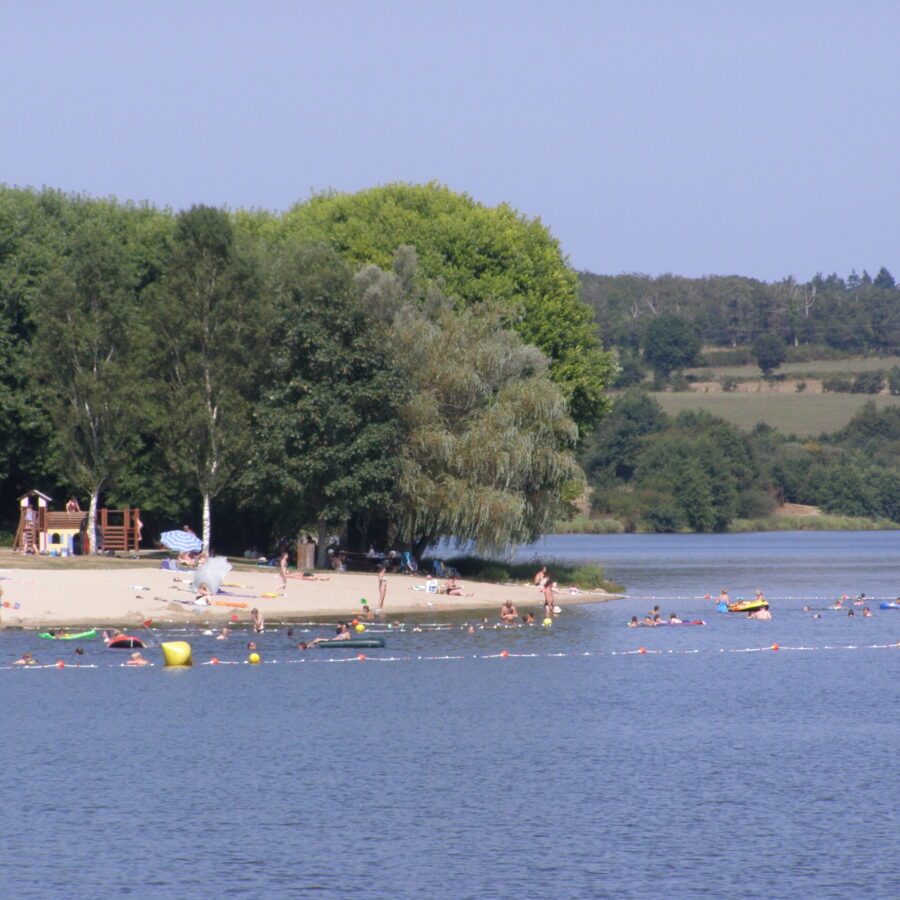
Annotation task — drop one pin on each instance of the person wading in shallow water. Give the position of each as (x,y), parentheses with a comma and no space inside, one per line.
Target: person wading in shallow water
(548,596)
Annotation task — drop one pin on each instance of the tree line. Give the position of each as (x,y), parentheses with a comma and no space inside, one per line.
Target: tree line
(857,314)
(397,365)
(698,472)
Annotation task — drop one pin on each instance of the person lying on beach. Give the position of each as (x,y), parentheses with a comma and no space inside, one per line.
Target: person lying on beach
(508,612)
(454,589)
(26,660)
(308,576)
(137,660)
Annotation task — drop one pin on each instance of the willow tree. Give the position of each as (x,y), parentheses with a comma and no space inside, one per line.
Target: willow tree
(488,441)
(83,358)
(203,327)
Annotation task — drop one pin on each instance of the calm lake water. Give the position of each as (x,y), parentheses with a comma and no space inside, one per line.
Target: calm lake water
(576,767)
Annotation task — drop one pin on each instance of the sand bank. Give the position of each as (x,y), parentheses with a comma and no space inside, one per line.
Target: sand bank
(126,595)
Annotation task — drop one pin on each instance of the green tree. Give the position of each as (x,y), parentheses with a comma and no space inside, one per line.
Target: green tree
(328,436)
(83,355)
(769,351)
(670,344)
(475,253)
(205,327)
(614,448)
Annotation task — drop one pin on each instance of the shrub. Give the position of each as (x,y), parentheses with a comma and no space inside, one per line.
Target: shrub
(493,573)
(893,380)
(662,519)
(837,384)
(867,383)
(755,503)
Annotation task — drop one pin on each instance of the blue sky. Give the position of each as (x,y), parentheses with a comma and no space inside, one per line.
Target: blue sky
(756,138)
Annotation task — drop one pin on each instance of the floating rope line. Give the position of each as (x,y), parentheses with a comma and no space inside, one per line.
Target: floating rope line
(503,654)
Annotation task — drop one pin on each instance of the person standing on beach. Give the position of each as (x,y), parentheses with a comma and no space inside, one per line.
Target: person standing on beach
(382,588)
(283,570)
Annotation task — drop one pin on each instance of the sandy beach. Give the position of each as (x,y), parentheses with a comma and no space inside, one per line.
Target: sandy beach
(128,594)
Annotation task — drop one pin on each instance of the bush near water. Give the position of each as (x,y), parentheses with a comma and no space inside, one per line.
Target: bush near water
(583,576)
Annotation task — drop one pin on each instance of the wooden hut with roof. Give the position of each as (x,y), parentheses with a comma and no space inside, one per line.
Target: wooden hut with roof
(64,532)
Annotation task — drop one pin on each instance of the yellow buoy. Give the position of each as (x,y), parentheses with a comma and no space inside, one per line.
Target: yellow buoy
(547,622)
(360,627)
(177,653)
(253,658)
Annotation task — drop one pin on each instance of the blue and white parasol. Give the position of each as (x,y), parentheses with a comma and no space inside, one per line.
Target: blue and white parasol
(181,541)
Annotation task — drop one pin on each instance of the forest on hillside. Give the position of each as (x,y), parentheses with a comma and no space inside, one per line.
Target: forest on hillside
(394,366)
(698,472)
(857,314)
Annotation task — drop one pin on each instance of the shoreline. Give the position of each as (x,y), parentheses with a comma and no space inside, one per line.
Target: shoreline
(128,595)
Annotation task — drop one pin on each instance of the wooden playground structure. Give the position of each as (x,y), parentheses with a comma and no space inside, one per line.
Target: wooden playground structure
(61,533)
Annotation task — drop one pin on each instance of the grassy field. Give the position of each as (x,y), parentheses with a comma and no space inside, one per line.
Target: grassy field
(813,369)
(806,415)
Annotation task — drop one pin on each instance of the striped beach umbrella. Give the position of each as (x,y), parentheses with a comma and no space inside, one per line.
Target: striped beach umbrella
(181,541)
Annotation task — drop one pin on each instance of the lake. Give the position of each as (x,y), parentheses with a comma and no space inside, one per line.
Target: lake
(708,766)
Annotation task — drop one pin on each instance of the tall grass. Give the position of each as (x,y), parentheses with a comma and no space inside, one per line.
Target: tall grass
(811,523)
(585,525)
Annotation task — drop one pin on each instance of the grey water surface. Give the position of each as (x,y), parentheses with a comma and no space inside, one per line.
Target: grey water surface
(574,767)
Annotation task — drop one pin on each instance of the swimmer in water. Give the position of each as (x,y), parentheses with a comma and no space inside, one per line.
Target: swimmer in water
(508,612)
(26,660)
(674,620)
(634,622)
(137,660)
